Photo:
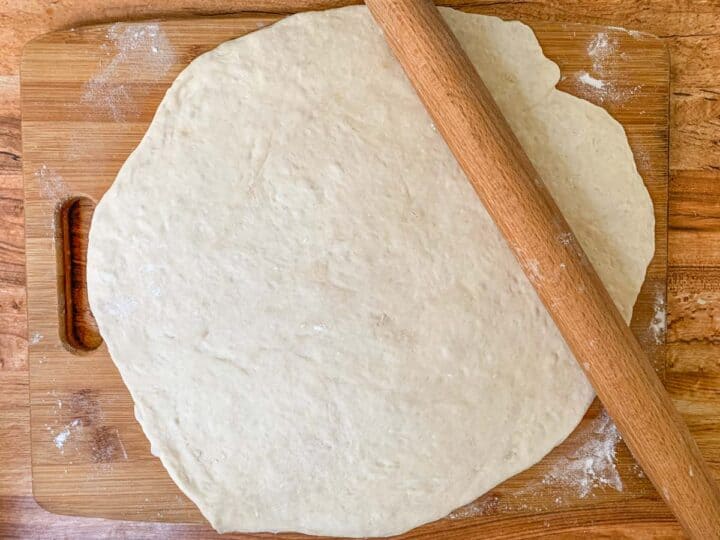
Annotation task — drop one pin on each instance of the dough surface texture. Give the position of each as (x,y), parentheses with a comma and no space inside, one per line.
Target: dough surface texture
(320,326)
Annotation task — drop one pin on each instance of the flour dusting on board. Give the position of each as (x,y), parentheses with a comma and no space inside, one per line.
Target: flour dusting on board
(604,50)
(658,325)
(588,79)
(51,184)
(580,471)
(62,437)
(483,506)
(603,91)
(600,49)
(635,34)
(593,464)
(128,47)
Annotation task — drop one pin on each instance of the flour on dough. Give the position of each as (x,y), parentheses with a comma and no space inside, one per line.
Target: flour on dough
(321,327)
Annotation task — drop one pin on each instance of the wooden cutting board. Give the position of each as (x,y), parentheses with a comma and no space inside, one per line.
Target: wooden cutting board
(88,95)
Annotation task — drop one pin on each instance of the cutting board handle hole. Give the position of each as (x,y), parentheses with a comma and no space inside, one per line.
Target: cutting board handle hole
(78,328)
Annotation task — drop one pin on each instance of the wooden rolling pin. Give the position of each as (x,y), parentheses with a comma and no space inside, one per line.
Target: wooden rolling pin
(513,193)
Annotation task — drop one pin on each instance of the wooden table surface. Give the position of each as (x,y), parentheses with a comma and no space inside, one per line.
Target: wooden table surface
(692,31)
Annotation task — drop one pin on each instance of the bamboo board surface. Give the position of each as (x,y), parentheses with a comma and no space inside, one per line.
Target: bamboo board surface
(87,99)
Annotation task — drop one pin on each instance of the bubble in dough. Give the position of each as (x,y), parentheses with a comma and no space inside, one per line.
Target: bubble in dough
(319,324)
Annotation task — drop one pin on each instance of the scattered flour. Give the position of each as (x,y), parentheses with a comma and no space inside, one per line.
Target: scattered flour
(51,184)
(635,34)
(128,45)
(600,49)
(533,267)
(588,79)
(121,444)
(480,507)
(602,90)
(603,50)
(592,464)
(658,325)
(62,437)
(35,338)
(565,238)
(638,471)
(642,158)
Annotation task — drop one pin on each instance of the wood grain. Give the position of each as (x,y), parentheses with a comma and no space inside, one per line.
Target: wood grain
(67,137)
(692,34)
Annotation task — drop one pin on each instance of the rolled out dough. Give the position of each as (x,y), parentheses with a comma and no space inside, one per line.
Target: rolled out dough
(321,327)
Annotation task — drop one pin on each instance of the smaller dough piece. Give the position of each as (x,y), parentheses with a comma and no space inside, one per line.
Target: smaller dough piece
(321,327)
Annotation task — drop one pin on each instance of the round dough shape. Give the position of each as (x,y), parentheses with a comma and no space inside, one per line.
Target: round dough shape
(321,327)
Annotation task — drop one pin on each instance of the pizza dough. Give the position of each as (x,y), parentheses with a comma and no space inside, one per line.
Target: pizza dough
(321,327)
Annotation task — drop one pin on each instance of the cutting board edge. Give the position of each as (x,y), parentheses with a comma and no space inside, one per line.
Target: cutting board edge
(101,26)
